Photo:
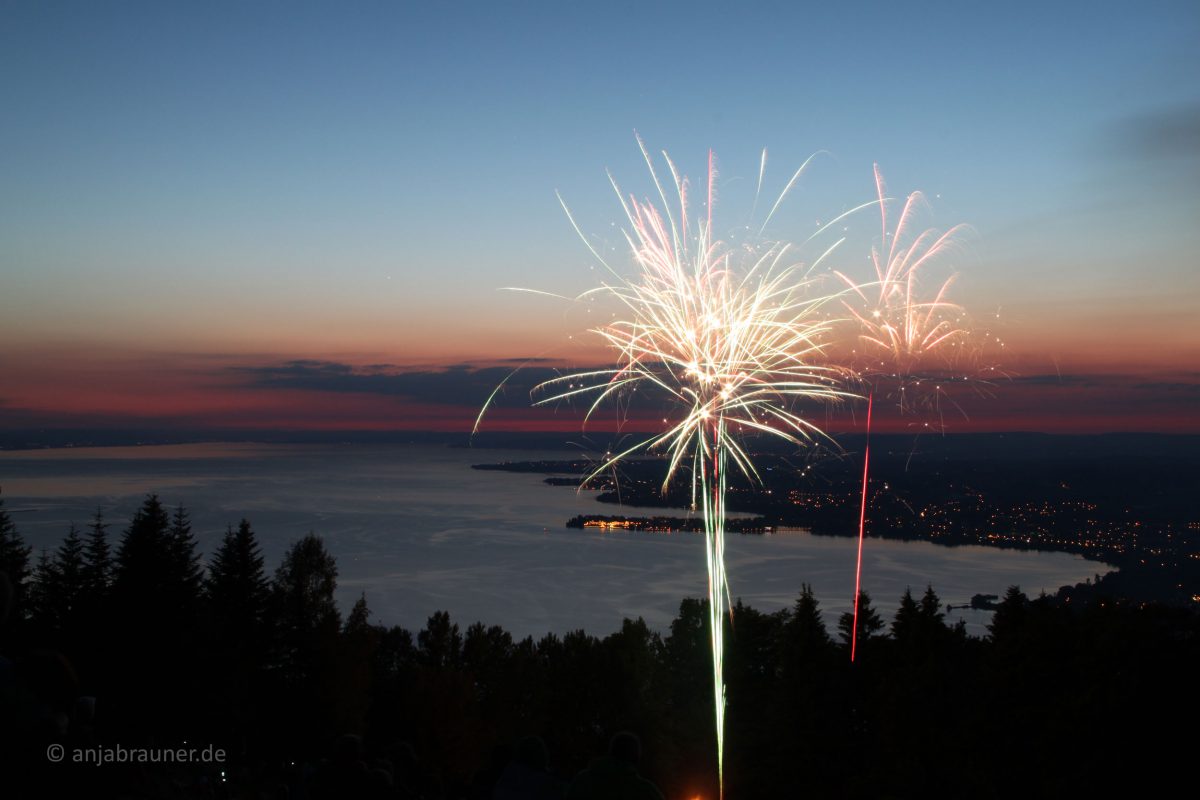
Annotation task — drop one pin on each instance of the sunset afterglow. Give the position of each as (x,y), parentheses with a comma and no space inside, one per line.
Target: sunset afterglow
(307,228)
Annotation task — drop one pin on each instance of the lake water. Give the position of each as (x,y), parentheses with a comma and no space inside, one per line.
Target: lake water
(417,530)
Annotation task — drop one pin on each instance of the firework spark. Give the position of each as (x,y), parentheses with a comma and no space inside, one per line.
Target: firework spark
(731,335)
(898,328)
(898,325)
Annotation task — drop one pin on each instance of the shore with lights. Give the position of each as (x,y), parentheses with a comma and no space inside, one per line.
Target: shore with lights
(1145,549)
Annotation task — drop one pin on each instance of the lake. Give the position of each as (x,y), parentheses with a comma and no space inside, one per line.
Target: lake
(417,530)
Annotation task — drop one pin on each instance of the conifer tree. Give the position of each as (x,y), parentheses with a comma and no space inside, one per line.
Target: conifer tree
(69,558)
(185,558)
(353,682)
(906,622)
(869,621)
(97,561)
(145,556)
(807,612)
(152,618)
(69,564)
(358,622)
(44,589)
(157,565)
(805,629)
(236,587)
(155,592)
(14,561)
(56,592)
(931,607)
(931,622)
(1010,615)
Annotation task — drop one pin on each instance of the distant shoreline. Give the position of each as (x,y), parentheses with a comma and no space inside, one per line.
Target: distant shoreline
(77,438)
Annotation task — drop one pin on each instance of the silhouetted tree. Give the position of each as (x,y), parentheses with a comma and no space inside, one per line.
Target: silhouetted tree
(184,554)
(154,611)
(14,561)
(931,622)
(70,563)
(485,648)
(575,695)
(631,657)
(57,591)
(307,625)
(145,557)
(907,619)
(442,700)
(931,607)
(796,717)
(440,642)
(307,615)
(93,637)
(156,583)
(353,680)
(687,721)
(687,649)
(486,654)
(805,645)
(304,586)
(396,654)
(43,591)
(237,619)
(1010,614)
(805,629)
(869,622)
(97,561)
(236,588)
(358,621)
(753,642)
(634,650)
(392,665)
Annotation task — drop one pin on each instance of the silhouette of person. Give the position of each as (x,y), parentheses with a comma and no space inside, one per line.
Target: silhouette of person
(527,776)
(615,776)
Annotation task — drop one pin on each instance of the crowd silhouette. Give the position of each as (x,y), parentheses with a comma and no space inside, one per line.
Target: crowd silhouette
(135,640)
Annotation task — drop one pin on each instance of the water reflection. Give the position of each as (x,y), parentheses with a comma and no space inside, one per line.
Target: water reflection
(417,530)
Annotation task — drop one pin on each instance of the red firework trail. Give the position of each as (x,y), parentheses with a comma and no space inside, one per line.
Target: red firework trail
(862,520)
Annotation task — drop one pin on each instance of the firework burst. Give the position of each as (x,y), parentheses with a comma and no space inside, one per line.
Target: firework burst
(732,335)
(899,328)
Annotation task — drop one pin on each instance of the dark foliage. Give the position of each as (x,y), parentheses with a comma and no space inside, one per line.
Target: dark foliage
(14,565)
(145,650)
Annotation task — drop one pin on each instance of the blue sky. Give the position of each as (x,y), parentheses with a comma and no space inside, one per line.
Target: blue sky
(234,176)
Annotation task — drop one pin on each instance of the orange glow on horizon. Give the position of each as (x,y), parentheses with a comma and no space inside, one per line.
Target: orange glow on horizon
(64,387)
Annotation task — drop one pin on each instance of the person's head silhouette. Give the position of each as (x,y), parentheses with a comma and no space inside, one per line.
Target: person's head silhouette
(626,747)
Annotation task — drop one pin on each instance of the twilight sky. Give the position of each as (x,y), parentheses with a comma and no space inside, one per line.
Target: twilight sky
(298,215)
